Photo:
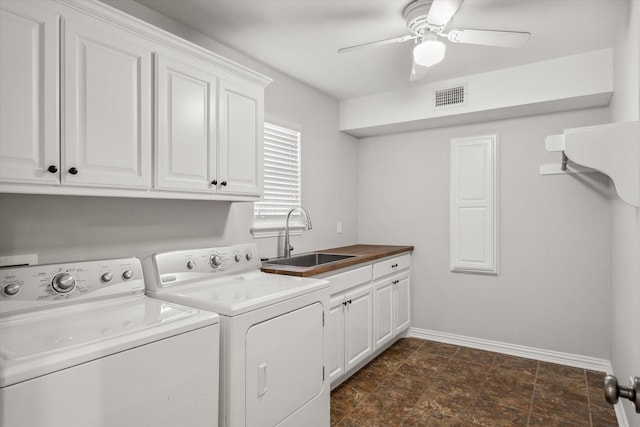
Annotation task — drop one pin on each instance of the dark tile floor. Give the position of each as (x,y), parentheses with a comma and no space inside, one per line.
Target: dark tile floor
(425,383)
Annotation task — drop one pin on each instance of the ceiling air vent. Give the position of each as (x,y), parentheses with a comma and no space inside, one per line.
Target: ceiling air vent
(450,97)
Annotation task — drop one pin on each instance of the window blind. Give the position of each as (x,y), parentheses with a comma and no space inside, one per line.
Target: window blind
(281,173)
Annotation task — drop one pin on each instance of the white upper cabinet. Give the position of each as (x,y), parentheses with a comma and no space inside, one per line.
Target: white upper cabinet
(107,106)
(29,141)
(186,126)
(241,133)
(77,80)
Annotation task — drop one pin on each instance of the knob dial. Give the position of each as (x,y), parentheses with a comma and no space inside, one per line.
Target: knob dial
(11,289)
(106,277)
(63,283)
(215,261)
(191,264)
(223,183)
(214,182)
(237,257)
(127,274)
(249,256)
(73,171)
(52,169)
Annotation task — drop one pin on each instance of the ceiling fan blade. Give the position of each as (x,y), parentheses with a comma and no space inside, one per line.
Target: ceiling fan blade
(378,43)
(418,72)
(489,37)
(442,11)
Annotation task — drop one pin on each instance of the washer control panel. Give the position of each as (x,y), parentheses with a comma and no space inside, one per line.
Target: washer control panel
(171,268)
(44,285)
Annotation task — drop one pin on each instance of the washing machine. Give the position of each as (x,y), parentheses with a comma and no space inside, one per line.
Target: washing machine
(81,345)
(273,335)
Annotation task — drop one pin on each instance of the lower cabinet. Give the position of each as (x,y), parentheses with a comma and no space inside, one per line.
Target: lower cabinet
(369,308)
(391,308)
(350,324)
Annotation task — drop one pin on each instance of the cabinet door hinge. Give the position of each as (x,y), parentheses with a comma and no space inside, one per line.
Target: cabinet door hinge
(323,320)
(323,373)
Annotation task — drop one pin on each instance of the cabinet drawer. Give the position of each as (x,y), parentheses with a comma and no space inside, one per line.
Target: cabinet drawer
(343,281)
(391,265)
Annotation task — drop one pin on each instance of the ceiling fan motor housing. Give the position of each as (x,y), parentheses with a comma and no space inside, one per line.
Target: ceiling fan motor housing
(415,14)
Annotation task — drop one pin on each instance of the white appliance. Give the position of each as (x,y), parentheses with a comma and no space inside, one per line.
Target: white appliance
(273,342)
(81,345)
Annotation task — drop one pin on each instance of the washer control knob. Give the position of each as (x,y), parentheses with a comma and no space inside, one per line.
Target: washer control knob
(191,264)
(106,277)
(249,256)
(215,261)
(237,257)
(127,274)
(11,289)
(63,283)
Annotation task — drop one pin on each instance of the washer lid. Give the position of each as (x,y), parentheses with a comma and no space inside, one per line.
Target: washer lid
(241,293)
(40,343)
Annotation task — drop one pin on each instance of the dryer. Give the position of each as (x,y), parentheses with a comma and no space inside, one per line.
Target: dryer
(273,335)
(80,345)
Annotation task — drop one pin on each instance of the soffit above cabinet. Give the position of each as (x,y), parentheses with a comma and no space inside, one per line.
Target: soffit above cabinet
(568,83)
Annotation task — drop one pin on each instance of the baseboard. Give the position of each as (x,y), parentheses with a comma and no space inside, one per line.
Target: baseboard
(568,359)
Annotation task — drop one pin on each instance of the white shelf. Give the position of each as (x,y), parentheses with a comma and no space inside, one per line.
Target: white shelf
(613,150)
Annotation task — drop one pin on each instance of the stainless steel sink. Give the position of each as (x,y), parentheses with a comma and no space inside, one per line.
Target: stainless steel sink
(309,260)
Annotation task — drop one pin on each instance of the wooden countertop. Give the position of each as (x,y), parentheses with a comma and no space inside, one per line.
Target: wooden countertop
(363,253)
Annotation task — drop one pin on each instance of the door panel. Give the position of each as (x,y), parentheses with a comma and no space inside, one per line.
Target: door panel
(335,334)
(284,365)
(241,135)
(403,304)
(107,98)
(383,327)
(29,138)
(186,126)
(358,325)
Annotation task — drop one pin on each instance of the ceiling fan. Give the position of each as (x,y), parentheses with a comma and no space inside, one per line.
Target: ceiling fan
(427,19)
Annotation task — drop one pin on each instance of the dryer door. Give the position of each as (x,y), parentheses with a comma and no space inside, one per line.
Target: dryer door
(284,365)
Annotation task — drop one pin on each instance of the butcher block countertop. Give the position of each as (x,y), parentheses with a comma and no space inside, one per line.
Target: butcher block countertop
(363,253)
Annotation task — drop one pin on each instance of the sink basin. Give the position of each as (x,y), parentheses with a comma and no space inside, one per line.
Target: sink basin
(310,260)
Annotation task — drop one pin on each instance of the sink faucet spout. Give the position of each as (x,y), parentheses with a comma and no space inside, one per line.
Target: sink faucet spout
(287,246)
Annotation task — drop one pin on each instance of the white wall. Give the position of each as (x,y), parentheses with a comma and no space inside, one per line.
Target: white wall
(625,220)
(553,288)
(64,228)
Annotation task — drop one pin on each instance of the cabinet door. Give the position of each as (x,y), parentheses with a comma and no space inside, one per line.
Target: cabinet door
(402,304)
(107,106)
(358,325)
(240,150)
(186,136)
(335,337)
(29,137)
(384,313)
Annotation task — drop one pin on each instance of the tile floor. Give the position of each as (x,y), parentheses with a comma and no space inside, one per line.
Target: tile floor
(425,383)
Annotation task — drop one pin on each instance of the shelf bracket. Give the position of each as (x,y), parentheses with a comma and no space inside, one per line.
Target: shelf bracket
(613,150)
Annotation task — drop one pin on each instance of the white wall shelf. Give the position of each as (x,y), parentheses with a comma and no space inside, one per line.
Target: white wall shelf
(612,149)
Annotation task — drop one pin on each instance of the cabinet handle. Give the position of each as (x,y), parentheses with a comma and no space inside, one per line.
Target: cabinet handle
(223,183)
(394,266)
(52,169)
(73,171)
(349,301)
(214,182)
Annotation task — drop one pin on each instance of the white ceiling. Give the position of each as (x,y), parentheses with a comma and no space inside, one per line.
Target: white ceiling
(300,37)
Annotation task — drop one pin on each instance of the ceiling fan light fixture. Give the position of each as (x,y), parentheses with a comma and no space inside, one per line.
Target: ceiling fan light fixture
(429,52)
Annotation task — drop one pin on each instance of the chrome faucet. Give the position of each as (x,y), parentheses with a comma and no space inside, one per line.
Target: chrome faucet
(287,246)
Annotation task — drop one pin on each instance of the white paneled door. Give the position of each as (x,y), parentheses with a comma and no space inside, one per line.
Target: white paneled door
(107,106)
(186,147)
(29,137)
(241,133)
(473,210)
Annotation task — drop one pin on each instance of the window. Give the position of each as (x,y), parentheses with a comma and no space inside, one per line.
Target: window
(281,178)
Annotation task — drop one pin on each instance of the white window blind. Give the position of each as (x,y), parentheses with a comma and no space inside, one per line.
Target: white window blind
(281,174)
